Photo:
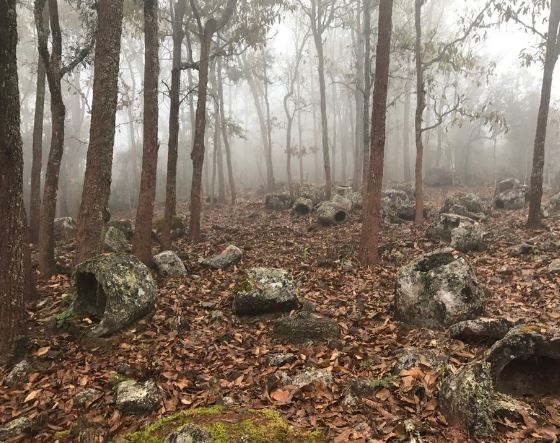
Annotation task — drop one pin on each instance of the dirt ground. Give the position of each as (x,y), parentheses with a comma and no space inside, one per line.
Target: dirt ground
(199,357)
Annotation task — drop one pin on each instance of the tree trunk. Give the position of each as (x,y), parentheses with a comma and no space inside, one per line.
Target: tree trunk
(406,126)
(12,273)
(53,66)
(93,214)
(372,214)
(200,128)
(173,144)
(536,189)
(359,102)
(324,121)
(270,165)
(142,241)
(225,135)
(290,119)
(367,87)
(218,156)
(37,161)
(420,106)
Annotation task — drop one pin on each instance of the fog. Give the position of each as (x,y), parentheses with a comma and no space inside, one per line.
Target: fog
(491,138)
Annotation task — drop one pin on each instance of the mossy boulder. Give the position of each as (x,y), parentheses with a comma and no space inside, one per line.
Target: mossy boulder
(266,291)
(514,197)
(302,206)
(524,358)
(224,425)
(116,241)
(467,399)
(278,202)
(553,206)
(123,225)
(306,326)
(438,290)
(169,264)
(177,226)
(228,257)
(132,397)
(481,329)
(114,290)
(332,213)
(64,229)
(466,204)
(463,233)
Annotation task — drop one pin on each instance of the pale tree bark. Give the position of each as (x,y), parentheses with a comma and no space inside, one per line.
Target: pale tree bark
(420,106)
(142,241)
(552,47)
(225,135)
(93,215)
(406,125)
(367,87)
(12,213)
(173,143)
(37,160)
(218,154)
(206,32)
(359,101)
(372,212)
(258,94)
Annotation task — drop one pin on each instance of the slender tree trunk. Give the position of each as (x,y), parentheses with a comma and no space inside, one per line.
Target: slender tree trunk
(53,66)
(142,241)
(372,215)
(420,106)
(12,213)
(552,47)
(200,128)
(37,161)
(290,120)
(173,144)
(270,165)
(93,214)
(406,125)
(333,144)
(324,120)
(359,101)
(218,160)
(367,88)
(225,135)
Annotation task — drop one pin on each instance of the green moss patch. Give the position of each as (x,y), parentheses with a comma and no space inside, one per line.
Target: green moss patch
(227,425)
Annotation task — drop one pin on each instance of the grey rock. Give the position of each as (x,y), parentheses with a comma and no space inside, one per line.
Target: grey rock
(356,199)
(466,204)
(169,264)
(189,434)
(331,213)
(125,226)
(114,289)
(18,374)
(342,202)
(278,202)
(81,399)
(312,376)
(280,359)
(554,266)
(64,229)
(266,290)
(481,329)
(522,249)
(17,427)
(314,193)
(132,397)
(412,357)
(116,241)
(526,356)
(467,399)
(512,199)
(367,387)
(553,206)
(302,206)
(228,257)
(469,238)
(507,185)
(306,326)
(438,290)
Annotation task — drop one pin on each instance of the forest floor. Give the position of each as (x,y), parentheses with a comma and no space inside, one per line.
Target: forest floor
(215,356)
